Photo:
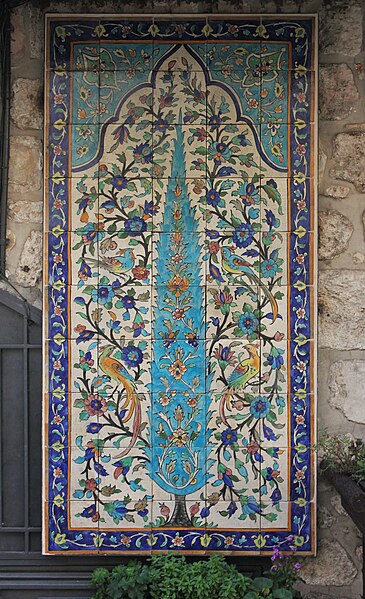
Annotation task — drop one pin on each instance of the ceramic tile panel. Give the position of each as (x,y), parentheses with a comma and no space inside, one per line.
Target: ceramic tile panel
(180,284)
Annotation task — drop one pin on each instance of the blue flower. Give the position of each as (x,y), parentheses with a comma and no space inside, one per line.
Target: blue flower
(248,323)
(275,496)
(248,194)
(260,407)
(242,140)
(219,152)
(84,270)
(120,134)
(269,433)
(214,121)
(118,510)
(143,153)
(229,436)
(94,427)
(128,302)
(212,234)
(150,208)
(275,358)
(161,125)
(114,325)
(243,235)
(135,226)
(269,268)
(227,480)
(205,512)
(213,198)
(103,294)
(132,355)
(91,233)
(232,508)
(271,219)
(89,511)
(249,505)
(119,182)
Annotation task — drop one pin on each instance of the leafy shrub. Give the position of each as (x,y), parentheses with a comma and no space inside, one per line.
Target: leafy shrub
(173,577)
(343,454)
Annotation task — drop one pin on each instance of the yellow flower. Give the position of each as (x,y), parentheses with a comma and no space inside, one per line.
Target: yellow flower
(58,500)
(261,31)
(177,369)
(260,541)
(60,539)
(153,30)
(59,125)
(207,30)
(59,339)
(300,232)
(57,231)
(100,30)
(299,32)
(179,437)
(298,541)
(205,540)
(59,393)
(299,178)
(300,71)
(59,285)
(58,446)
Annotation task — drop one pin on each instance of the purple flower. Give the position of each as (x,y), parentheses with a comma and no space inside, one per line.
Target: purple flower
(94,427)
(214,121)
(120,134)
(89,511)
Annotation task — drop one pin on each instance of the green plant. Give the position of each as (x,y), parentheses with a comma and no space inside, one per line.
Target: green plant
(173,577)
(343,454)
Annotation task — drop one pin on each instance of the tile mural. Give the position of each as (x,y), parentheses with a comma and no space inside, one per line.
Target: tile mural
(180,284)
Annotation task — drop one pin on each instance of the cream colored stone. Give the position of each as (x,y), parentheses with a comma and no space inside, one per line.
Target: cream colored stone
(25,164)
(349,158)
(325,518)
(322,161)
(338,192)
(27,103)
(346,383)
(10,240)
(337,91)
(29,270)
(23,212)
(341,313)
(358,258)
(332,566)
(335,231)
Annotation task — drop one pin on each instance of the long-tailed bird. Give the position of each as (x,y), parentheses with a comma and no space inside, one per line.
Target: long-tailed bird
(245,371)
(117,265)
(235,265)
(116,371)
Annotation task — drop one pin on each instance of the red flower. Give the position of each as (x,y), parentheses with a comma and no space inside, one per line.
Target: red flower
(140,273)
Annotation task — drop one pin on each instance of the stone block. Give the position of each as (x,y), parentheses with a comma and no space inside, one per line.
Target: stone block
(338,93)
(340,27)
(346,381)
(349,157)
(341,313)
(29,269)
(25,164)
(335,231)
(338,192)
(26,212)
(332,566)
(27,103)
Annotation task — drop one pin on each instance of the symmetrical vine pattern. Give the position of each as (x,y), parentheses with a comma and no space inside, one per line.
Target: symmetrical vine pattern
(179,286)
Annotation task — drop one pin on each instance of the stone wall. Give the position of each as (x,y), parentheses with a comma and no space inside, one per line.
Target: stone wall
(336,572)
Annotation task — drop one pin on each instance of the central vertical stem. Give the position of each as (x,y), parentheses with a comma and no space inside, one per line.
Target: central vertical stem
(180,516)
